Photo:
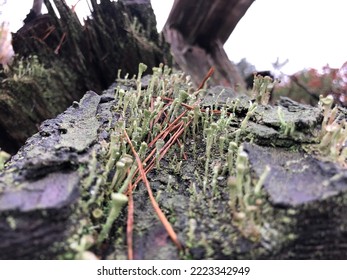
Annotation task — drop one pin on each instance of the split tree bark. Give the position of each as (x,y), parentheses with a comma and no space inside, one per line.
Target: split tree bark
(197,31)
(76,58)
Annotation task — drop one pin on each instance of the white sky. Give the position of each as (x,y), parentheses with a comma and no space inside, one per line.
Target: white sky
(310,33)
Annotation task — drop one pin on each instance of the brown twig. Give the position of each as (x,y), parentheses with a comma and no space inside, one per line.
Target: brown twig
(150,165)
(165,130)
(208,75)
(177,127)
(49,32)
(56,51)
(73,7)
(155,205)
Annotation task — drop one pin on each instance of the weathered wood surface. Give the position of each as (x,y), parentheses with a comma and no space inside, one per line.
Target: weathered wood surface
(76,58)
(40,189)
(197,31)
(302,215)
(308,197)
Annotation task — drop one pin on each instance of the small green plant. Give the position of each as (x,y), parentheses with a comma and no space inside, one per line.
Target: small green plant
(158,145)
(262,87)
(251,110)
(333,135)
(118,200)
(287,128)
(210,137)
(122,168)
(4,157)
(245,198)
(82,246)
(25,70)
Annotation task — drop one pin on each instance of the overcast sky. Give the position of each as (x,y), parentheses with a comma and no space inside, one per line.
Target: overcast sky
(309,33)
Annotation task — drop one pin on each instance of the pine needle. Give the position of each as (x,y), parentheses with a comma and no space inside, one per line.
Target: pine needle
(155,205)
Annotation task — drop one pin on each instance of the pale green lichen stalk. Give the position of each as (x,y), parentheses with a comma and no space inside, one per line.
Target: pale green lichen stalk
(25,70)
(262,87)
(4,157)
(118,200)
(287,128)
(333,134)
(245,198)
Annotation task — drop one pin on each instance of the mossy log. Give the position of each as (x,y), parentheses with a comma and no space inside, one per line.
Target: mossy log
(74,58)
(43,190)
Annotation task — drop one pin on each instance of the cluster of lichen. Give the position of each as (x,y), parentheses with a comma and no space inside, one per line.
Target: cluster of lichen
(213,139)
(137,113)
(246,196)
(4,157)
(287,128)
(246,199)
(139,108)
(25,70)
(37,89)
(262,87)
(333,134)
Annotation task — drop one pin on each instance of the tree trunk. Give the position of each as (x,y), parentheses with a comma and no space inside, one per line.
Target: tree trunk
(197,31)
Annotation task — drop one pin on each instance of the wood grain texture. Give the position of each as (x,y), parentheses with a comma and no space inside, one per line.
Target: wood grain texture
(197,31)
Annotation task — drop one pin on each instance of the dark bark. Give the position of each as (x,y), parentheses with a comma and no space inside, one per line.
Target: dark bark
(76,58)
(197,31)
(310,194)
(41,187)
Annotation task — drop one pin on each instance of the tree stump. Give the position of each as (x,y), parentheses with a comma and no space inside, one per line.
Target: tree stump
(59,59)
(46,187)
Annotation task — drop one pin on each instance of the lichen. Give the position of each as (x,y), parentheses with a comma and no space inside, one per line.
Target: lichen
(204,183)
